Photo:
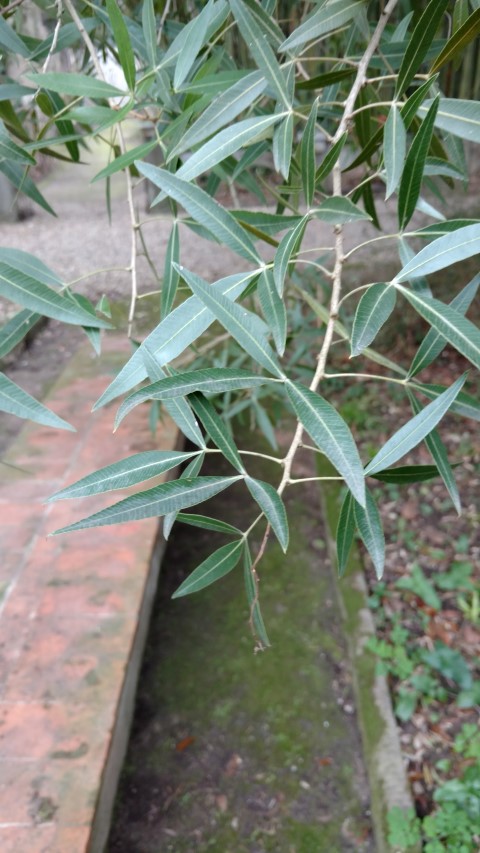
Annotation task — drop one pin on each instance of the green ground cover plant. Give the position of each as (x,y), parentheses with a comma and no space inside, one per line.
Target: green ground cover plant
(345,102)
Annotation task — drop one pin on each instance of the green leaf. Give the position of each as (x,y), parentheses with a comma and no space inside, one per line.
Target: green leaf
(219,563)
(121,475)
(167,497)
(14,91)
(330,159)
(307,155)
(345,533)
(433,343)
(122,42)
(194,41)
(192,470)
(327,79)
(370,528)
(330,16)
(450,324)
(407,474)
(210,380)
(217,430)
(149,26)
(207,523)
(204,209)
(439,229)
(415,430)
(455,246)
(419,44)
(273,309)
(178,409)
(458,41)
(331,434)
(171,275)
(439,456)
(16,401)
(224,144)
(261,51)
(216,20)
(282,146)
(11,41)
(125,160)
(373,311)
(411,181)
(30,265)
(221,111)
(17,175)
(9,150)
(339,210)
(395,141)
(25,290)
(75,84)
(173,335)
(242,324)
(456,116)
(464,405)
(256,620)
(266,223)
(15,330)
(272,506)
(266,22)
(287,246)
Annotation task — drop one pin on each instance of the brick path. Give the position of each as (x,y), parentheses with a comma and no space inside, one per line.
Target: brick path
(71,621)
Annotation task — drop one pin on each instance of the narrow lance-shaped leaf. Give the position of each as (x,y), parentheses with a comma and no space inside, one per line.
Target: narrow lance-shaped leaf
(373,311)
(219,563)
(251,588)
(331,434)
(226,107)
(369,526)
(75,84)
(338,211)
(273,309)
(260,51)
(204,209)
(406,254)
(407,474)
(456,246)
(30,265)
(178,408)
(395,142)
(307,155)
(345,533)
(15,330)
(216,20)
(173,335)
(9,150)
(411,183)
(121,475)
(272,505)
(171,275)
(150,30)
(17,175)
(328,17)
(226,143)
(194,42)
(192,470)
(16,401)
(217,430)
(419,43)
(242,324)
(413,432)
(122,42)
(125,160)
(439,456)
(330,159)
(458,117)
(450,324)
(433,343)
(464,405)
(458,41)
(167,497)
(23,289)
(11,41)
(207,523)
(287,246)
(282,146)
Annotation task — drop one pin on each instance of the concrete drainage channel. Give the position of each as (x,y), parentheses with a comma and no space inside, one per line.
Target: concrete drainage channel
(232,752)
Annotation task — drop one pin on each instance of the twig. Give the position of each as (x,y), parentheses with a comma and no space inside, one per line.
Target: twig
(59,5)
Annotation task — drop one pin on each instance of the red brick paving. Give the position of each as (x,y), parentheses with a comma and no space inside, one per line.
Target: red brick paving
(69,609)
